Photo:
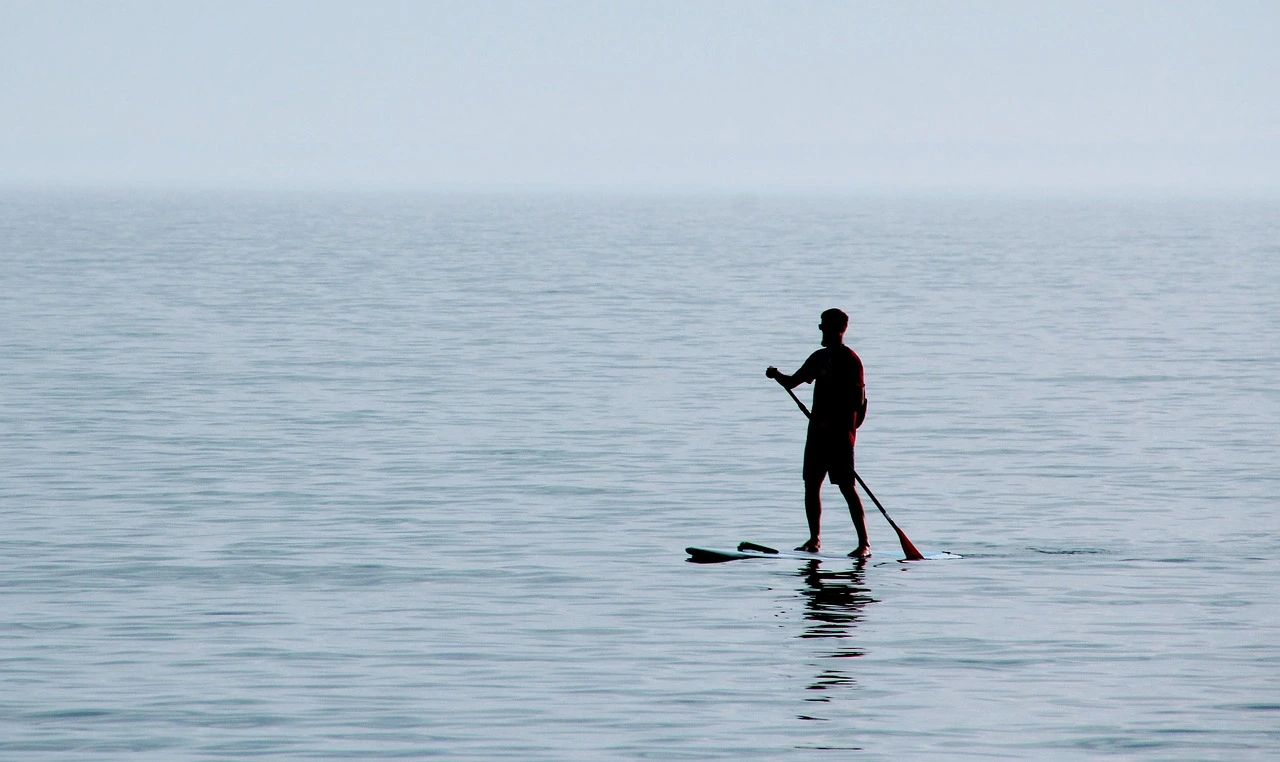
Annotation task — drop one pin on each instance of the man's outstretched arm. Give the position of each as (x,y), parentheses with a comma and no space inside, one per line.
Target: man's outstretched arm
(788,382)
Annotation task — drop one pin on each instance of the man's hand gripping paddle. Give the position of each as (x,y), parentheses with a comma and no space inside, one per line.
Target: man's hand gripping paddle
(907,548)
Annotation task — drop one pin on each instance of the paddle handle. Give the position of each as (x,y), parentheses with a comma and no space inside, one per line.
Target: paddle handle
(803,409)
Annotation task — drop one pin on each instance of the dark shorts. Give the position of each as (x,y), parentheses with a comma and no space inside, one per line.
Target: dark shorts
(830,455)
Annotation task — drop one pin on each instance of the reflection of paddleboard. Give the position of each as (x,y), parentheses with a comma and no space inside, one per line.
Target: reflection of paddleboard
(751,550)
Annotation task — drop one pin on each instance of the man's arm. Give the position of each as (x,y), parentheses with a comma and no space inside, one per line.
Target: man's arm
(788,382)
(802,376)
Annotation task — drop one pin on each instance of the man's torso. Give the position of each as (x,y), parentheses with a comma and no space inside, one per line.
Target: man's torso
(838,386)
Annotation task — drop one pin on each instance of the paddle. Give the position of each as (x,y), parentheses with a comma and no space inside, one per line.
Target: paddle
(907,548)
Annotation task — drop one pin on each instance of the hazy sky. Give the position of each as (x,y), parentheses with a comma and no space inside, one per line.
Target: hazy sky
(862,96)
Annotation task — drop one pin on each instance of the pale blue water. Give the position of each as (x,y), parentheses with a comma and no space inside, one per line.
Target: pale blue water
(302,477)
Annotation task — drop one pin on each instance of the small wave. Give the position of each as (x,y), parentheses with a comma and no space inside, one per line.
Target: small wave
(1070,551)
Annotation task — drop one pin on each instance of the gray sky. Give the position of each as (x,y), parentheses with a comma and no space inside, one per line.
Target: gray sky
(756,96)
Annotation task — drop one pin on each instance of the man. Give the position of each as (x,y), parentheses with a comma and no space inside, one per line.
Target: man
(839,405)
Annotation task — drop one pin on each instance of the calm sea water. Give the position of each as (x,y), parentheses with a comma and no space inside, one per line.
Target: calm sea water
(308,477)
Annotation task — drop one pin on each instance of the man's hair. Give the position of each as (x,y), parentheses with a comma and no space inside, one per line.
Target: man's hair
(836,319)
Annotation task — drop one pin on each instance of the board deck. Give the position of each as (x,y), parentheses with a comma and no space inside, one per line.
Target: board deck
(749,550)
(712,555)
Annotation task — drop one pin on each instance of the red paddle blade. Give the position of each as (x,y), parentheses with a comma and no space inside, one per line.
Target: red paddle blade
(907,548)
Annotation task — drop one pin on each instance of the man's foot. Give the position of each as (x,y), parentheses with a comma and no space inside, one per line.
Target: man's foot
(862,551)
(811,546)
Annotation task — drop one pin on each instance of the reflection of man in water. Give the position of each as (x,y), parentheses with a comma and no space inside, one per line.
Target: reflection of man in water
(839,404)
(834,601)
(833,607)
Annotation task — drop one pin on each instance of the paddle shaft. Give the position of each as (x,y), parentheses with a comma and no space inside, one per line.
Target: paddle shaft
(901,535)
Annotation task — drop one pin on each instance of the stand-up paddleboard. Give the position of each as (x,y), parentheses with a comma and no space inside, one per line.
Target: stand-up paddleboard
(752,550)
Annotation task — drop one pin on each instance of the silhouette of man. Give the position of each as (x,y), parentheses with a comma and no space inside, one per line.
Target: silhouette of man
(839,405)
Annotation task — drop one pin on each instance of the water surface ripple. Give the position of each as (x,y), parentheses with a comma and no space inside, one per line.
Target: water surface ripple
(308,477)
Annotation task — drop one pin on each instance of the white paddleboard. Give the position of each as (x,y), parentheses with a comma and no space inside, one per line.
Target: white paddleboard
(751,550)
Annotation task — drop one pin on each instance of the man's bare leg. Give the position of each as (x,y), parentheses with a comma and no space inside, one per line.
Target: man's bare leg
(859,521)
(813,512)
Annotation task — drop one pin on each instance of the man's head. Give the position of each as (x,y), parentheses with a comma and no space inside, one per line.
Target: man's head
(833,323)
